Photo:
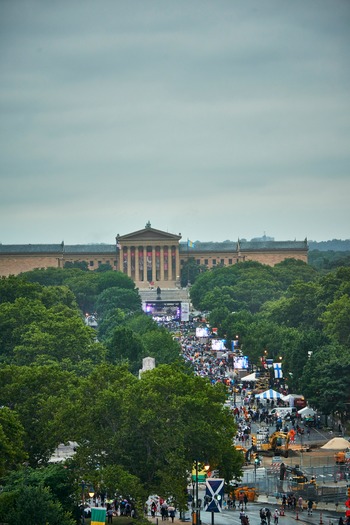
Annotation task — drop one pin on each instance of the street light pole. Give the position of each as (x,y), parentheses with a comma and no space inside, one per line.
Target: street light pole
(197,506)
(91,493)
(83,502)
(193,501)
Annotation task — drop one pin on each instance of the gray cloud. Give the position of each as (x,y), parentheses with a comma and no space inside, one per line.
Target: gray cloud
(217,120)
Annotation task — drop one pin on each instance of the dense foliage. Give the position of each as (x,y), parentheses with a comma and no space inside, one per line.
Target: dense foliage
(289,313)
(61,380)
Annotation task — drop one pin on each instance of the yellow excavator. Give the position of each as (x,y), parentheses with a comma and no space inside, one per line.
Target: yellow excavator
(275,445)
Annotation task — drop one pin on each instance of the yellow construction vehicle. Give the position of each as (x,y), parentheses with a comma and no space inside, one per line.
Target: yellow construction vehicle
(261,384)
(245,453)
(277,444)
(342,456)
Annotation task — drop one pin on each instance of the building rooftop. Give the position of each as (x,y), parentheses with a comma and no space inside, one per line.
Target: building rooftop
(226,246)
(256,246)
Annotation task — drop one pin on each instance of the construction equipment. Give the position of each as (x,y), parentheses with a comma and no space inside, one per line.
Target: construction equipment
(342,457)
(262,384)
(296,476)
(275,445)
(246,453)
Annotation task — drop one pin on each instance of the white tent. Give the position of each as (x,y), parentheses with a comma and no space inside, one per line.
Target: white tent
(337,444)
(306,412)
(268,394)
(288,397)
(250,377)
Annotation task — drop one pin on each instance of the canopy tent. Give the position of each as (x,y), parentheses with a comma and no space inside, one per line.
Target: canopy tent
(250,377)
(288,397)
(306,411)
(268,394)
(336,444)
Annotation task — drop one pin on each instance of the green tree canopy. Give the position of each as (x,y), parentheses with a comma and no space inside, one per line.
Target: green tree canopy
(33,506)
(12,434)
(326,380)
(154,428)
(37,394)
(111,298)
(336,320)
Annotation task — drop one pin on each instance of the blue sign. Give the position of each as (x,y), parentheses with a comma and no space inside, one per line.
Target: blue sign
(214,494)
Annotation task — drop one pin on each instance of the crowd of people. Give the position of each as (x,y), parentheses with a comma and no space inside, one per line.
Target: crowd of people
(219,368)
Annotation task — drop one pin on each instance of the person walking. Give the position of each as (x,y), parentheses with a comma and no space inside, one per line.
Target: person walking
(300,504)
(109,514)
(171,511)
(275,516)
(284,501)
(164,511)
(153,509)
(245,500)
(310,504)
(268,516)
(234,501)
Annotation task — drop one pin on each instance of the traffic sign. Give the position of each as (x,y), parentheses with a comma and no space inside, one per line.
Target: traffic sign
(214,494)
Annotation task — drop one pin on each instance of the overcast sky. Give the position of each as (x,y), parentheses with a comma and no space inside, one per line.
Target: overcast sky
(218,119)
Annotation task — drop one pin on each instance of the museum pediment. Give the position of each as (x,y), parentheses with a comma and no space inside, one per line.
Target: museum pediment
(149,234)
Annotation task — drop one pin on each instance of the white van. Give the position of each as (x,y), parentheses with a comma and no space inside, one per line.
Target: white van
(283,411)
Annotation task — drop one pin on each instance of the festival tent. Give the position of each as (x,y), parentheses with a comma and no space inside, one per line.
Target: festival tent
(250,377)
(288,397)
(306,412)
(338,443)
(268,394)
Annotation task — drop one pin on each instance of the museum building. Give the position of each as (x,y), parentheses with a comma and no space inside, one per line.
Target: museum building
(148,255)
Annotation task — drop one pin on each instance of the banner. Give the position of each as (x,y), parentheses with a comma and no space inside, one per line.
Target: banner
(98,516)
(185,311)
(214,494)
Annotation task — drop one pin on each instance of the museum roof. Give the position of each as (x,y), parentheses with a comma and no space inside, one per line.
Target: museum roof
(226,246)
(28,249)
(90,248)
(199,247)
(256,246)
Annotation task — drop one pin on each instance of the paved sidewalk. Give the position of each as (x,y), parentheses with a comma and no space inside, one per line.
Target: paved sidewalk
(320,506)
(327,516)
(317,516)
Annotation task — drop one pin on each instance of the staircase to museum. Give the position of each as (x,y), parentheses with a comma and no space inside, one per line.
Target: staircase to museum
(166,295)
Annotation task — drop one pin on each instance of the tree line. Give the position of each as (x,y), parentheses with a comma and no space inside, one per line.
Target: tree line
(61,381)
(291,313)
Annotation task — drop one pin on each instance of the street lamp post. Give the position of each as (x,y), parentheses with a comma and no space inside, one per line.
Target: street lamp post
(83,502)
(91,493)
(197,506)
(196,515)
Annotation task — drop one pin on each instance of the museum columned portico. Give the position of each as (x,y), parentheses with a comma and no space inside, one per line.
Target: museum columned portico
(150,256)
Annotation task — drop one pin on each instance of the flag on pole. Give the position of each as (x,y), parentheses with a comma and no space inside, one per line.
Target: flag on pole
(98,516)
(277,367)
(190,244)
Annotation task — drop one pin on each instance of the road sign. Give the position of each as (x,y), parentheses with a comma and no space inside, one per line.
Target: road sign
(214,494)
